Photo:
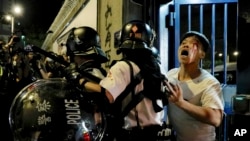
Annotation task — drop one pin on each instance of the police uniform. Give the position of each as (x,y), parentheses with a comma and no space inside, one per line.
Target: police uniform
(116,81)
(142,122)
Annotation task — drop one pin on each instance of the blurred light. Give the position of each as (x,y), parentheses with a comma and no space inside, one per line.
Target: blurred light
(17,9)
(236,53)
(220,54)
(8,17)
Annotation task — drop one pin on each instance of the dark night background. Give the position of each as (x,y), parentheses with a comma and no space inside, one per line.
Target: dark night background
(36,18)
(40,12)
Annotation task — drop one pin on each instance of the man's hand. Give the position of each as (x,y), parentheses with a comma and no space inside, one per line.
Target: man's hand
(175,92)
(14,39)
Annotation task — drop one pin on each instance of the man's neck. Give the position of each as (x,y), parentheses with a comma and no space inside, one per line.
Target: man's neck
(187,73)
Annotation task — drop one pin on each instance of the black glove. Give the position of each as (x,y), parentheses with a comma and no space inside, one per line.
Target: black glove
(72,75)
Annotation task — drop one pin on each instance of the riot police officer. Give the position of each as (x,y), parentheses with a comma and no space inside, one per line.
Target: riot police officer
(144,120)
(86,56)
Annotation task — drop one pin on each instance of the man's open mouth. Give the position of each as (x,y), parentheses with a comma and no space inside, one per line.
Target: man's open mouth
(184,52)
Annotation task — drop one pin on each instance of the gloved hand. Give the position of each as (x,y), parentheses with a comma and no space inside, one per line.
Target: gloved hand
(72,75)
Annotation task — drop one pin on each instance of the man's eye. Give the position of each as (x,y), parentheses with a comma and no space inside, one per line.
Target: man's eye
(183,43)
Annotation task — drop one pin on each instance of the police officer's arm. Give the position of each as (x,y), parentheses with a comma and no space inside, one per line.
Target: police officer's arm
(203,114)
(93,87)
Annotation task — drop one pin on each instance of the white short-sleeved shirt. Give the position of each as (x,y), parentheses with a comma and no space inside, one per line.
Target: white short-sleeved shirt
(203,91)
(116,81)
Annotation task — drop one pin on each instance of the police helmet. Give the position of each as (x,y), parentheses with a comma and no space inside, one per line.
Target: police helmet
(136,34)
(85,41)
(50,110)
(28,48)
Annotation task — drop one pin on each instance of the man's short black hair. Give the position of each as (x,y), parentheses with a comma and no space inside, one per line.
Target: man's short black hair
(201,37)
